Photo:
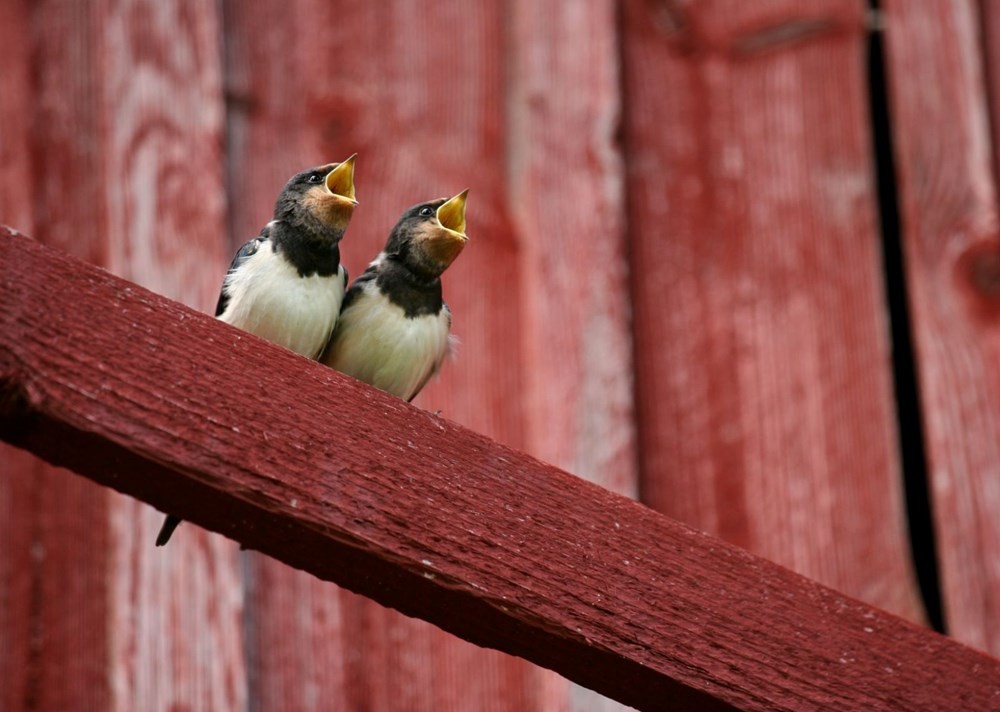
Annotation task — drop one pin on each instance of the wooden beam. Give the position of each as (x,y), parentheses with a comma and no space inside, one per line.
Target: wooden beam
(170,406)
(309,641)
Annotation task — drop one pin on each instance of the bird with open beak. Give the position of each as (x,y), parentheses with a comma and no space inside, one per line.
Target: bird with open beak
(393,330)
(287,284)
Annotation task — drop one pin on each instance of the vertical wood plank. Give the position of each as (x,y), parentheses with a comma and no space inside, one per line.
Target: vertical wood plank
(764,390)
(566,195)
(295,643)
(67,517)
(163,112)
(20,575)
(16,104)
(566,191)
(418,93)
(940,116)
(125,170)
(19,479)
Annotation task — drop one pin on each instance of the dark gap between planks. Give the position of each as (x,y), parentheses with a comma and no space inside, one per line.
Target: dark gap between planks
(908,408)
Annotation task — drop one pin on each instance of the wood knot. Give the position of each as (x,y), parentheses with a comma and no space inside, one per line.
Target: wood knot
(978,276)
(676,23)
(985,273)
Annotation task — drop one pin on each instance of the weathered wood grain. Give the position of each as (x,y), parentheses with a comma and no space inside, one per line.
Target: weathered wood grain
(19,482)
(948,209)
(190,415)
(298,656)
(764,389)
(566,196)
(19,490)
(123,113)
(58,543)
(162,108)
(16,106)
(176,617)
(565,189)
(426,119)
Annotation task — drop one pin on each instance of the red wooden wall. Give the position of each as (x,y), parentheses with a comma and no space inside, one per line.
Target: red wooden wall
(942,92)
(675,288)
(761,336)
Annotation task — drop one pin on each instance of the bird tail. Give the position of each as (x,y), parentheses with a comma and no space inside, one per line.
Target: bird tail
(169,524)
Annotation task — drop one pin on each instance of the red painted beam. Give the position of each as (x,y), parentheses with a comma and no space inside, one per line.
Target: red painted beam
(170,406)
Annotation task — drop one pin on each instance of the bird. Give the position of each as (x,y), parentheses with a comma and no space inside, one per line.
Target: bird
(287,284)
(394,327)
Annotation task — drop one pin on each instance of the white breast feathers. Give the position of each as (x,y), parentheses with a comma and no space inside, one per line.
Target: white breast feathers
(376,343)
(268,298)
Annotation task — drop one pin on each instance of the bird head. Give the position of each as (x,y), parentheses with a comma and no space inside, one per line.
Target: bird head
(429,236)
(324,194)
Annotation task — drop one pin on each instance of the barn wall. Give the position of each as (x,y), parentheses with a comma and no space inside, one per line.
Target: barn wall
(940,96)
(674,288)
(764,388)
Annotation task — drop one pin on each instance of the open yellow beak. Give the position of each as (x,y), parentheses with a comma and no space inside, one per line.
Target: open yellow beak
(451,215)
(340,180)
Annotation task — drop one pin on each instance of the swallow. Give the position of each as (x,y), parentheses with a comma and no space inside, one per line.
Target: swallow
(287,284)
(394,327)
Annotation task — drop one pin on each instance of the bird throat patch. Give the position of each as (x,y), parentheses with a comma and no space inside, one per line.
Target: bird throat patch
(441,246)
(329,208)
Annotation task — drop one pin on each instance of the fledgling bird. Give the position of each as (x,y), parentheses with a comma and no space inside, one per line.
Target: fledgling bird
(393,330)
(287,284)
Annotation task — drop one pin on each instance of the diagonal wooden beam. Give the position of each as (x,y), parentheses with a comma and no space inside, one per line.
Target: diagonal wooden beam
(192,416)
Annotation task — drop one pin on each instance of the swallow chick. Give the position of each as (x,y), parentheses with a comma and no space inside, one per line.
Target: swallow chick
(393,330)
(287,284)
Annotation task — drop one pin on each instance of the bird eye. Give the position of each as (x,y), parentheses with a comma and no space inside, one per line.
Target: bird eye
(315,178)
(426,212)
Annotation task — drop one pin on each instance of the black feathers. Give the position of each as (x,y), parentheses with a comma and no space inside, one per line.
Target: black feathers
(416,294)
(169,524)
(249,248)
(309,256)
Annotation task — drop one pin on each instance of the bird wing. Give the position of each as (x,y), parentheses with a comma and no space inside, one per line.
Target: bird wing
(357,288)
(249,249)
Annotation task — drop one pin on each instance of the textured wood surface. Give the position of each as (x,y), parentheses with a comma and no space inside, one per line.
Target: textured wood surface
(54,539)
(18,483)
(764,396)
(948,200)
(565,191)
(118,131)
(433,519)
(298,657)
(566,197)
(761,360)
(69,525)
(425,124)
(163,110)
